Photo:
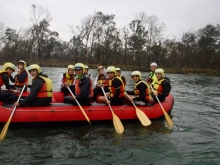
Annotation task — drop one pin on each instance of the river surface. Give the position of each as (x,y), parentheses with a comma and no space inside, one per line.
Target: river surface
(194,140)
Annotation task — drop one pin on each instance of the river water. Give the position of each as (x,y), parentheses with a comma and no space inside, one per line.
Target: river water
(194,140)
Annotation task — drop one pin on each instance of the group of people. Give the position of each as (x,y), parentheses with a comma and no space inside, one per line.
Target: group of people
(77,84)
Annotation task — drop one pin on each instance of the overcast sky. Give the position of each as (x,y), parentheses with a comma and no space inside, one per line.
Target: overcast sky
(178,15)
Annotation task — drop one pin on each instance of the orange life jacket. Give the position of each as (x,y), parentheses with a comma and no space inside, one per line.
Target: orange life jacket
(158,87)
(46,89)
(137,92)
(21,83)
(78,90)
(112,89)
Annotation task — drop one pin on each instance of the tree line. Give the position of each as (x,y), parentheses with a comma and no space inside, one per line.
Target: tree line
(97,40)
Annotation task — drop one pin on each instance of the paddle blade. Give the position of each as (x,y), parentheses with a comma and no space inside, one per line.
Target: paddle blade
(84,114)
(117,124)
(5,129)
(142,117)
(168,119)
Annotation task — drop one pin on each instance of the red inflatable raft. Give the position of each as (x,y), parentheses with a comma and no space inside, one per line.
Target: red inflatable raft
(59,113)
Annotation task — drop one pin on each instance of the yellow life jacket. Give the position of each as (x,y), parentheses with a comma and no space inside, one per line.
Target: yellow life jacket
(46,89)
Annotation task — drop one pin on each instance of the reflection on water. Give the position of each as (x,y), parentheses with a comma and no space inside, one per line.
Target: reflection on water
(193,140)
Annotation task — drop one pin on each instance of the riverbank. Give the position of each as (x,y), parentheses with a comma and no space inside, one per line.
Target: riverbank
(206,71)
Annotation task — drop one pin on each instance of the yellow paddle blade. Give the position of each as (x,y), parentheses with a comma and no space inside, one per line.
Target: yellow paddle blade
(142,117)
(84,114)
(5,129)
(117,124)
(168,119)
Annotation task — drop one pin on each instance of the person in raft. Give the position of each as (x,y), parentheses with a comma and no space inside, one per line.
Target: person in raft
(141,93)
(100,81)
(161,87)
(40,91)
(7,96)
(66,80)
(118,74)
(87,71)
(21,78)
(83,87)
(152,77)
(116,95)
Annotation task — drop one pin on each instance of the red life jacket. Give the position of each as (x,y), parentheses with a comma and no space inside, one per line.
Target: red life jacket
(78,90)
(1,81)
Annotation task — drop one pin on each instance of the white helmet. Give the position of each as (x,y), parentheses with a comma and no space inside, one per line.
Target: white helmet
(136,73)
(153,64)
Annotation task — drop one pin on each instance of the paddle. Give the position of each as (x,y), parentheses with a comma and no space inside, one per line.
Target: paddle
(167,117)
(141,115)
(80,106)
(5,129)
(116,121)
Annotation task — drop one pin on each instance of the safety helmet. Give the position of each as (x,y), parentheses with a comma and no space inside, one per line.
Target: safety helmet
(8,65)
(118,69)
(34,66)
(161,71)
(136,73)
(23,62)
(80,66)
(111,69)
(86,67)
(70,67)
(153,64)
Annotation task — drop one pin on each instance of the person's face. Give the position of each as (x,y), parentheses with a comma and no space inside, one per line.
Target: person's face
(135,78)
(158,75)
(100,70)
(33,72)
(71,71)
(86,71)
(78,72)
(10,70)
(111,75)
(153,68)
(20,66)
(118,73)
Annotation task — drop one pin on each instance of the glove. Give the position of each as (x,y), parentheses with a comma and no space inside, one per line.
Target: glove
(149,80)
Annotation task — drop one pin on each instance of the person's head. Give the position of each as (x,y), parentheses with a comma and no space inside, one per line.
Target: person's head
(136,76)
(79,69)
(153,66)
(70,69)
(34,70)
(118,72)
(159,73)
(8,67)
(86,69)
(111,71)
(21,64)
(100,69)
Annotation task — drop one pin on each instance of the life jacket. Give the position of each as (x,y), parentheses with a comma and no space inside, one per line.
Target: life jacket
(112,89)
(1,81)
(137,92)
(102,81)
(158,87)
(46,89)
(153,76)
(78,90)
(21,83)
(67,78)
